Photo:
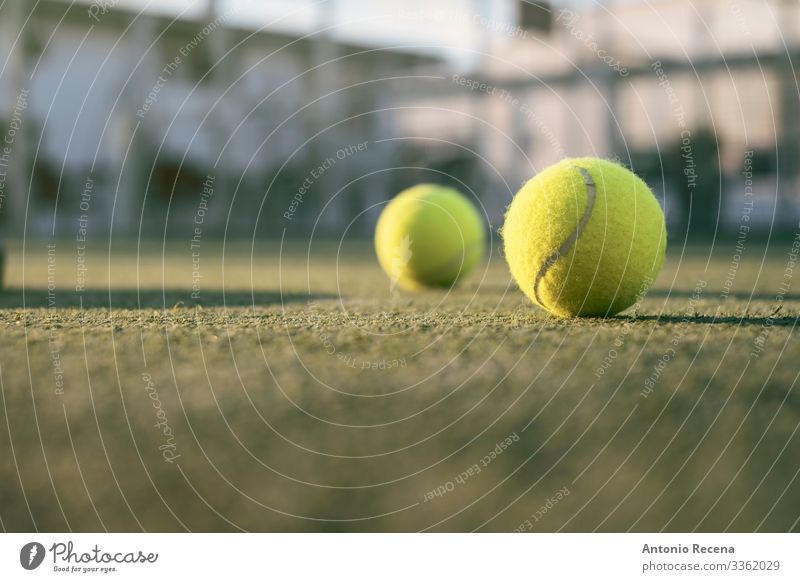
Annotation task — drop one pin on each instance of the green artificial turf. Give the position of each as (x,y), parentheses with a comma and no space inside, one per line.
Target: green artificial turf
(296,392)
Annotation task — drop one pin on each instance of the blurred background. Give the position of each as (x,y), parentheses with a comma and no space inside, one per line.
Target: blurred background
(278,382)
(122,117)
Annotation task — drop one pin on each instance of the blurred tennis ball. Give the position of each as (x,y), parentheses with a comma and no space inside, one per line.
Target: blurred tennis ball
(585,237)
(429,236)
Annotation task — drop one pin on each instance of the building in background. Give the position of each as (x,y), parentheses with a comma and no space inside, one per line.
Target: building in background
(131,123)
(128,116)
(696,97)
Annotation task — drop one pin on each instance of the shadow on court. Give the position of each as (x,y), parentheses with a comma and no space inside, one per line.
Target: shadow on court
(35,298)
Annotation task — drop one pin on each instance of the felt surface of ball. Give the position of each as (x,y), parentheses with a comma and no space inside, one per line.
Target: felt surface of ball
(429,236)
(584,237)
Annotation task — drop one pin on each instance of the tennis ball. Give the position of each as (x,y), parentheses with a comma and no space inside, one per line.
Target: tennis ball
(429,236)
(584,237)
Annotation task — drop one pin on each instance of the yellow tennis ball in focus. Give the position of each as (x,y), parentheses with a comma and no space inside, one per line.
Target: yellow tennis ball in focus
(585,237)
(429,236)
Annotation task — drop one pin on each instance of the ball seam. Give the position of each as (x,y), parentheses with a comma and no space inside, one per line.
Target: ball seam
(591,194)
